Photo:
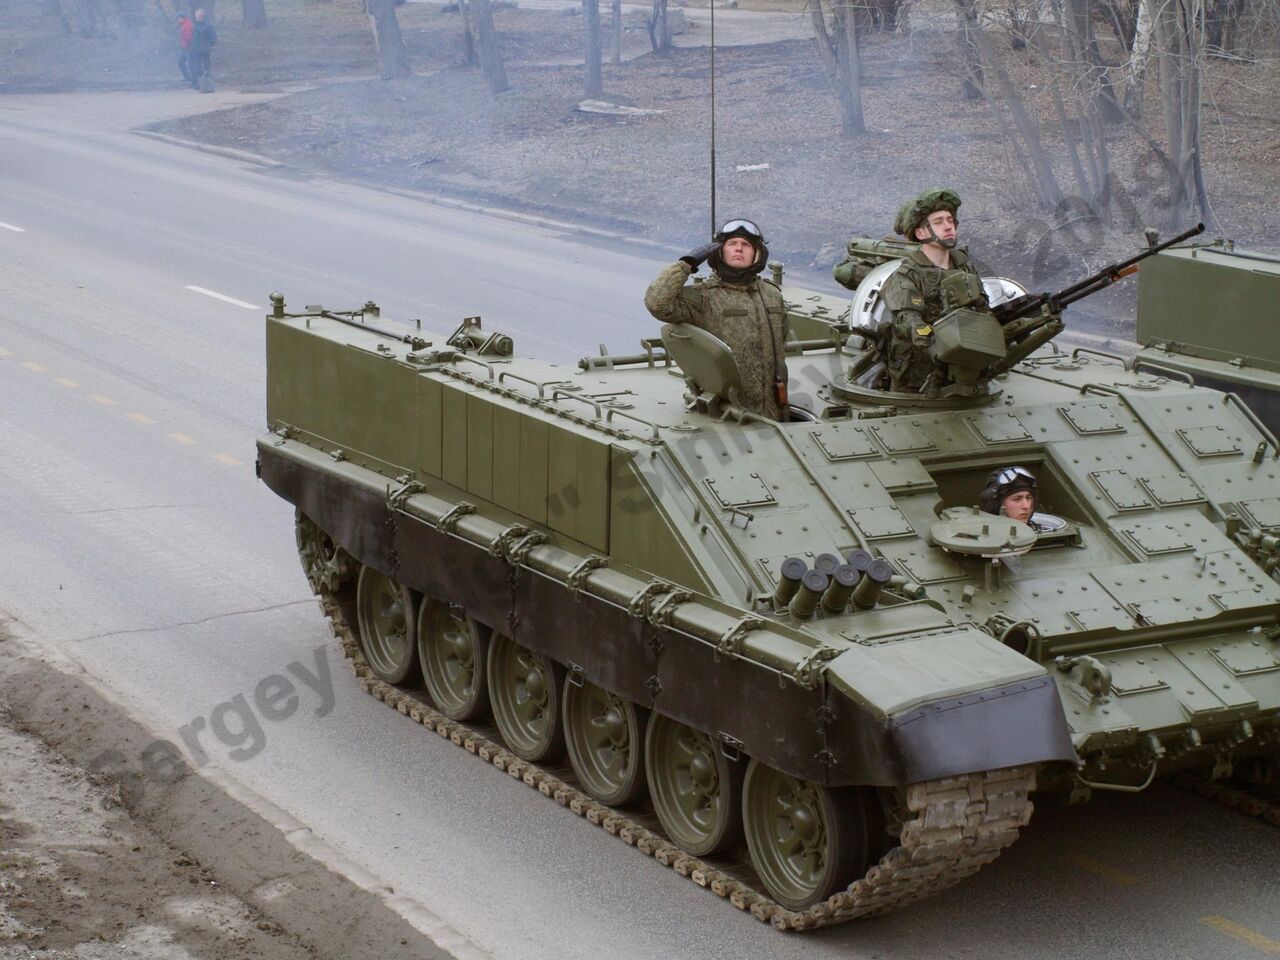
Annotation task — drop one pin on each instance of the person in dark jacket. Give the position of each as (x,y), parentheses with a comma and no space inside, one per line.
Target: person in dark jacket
(203,37)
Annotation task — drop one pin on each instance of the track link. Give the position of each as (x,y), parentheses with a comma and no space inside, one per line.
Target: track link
(957,824)
(1232,795)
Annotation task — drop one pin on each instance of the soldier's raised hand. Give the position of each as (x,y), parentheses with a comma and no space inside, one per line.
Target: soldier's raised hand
(697,257)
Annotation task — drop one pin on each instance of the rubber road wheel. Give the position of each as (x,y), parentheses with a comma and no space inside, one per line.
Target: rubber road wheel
(604,735)
(384,614)
(453,648)
(694,788)
(806,841)
(524,690)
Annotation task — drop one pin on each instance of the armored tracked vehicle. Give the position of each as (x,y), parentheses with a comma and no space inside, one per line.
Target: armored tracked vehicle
(791,661)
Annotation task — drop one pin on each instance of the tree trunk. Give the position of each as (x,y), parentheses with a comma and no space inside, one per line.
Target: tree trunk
(1136,68)
(660,28)
(1044,182)
(972,82)
(615,42)
(840,54)
(393,60)
(594,81)
(487,46)
(255,14)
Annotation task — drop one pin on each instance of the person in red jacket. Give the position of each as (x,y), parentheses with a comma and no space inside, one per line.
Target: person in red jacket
(185,30)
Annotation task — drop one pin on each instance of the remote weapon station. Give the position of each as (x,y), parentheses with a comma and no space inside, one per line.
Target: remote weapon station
(793,661)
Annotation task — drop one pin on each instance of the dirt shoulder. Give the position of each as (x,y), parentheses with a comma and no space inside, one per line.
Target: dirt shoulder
(111,847)
(780,157)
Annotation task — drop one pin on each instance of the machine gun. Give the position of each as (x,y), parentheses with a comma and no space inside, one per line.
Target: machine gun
(1035,318)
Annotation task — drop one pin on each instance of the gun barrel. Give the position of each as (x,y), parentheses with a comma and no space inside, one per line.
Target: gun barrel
(1116,271)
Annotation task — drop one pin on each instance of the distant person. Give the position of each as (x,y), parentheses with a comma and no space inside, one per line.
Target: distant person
(203,37)
(735,305)
(913,291)
(185,29)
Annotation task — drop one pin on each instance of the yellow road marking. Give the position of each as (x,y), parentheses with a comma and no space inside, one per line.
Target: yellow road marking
(32,365)
(1252,937)
(99,398)
(182,438)
(140,418)
(229,460)
(1100,869)
(66,382)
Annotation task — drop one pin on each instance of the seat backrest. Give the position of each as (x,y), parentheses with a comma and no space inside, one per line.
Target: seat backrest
(704,358)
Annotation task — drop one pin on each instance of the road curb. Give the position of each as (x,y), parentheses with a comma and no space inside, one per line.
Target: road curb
(256,850)
(229,152)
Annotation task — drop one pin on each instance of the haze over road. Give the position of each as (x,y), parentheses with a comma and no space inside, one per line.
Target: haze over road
(133,282)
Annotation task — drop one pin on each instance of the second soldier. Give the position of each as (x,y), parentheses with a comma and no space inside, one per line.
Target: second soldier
(737,306)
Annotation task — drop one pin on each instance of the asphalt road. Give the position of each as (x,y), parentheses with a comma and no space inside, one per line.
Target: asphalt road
(133,279)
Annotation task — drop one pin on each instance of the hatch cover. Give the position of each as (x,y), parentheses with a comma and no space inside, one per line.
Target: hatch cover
(882,523)
(1091,419)
(1111,617)
(747,490)
(1265,512)
(1155,538)
(1121,489)
(1242,599)
(903,476)
(1210,441)
(927,565)
(897,438)
(850,443)
(1246,659)
(1129,677)
(1172,489)
(1163,611)
(1005,428)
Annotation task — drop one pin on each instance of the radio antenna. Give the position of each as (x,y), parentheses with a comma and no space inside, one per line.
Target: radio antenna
(713,118)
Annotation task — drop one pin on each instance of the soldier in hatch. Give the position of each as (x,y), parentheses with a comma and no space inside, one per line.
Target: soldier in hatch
(736,305)
(912,293)
(1012,492)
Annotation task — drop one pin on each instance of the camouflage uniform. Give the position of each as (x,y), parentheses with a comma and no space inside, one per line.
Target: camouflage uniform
(749,317)
(913,295)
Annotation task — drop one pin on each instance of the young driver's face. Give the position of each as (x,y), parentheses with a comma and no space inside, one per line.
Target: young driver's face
(1018,505)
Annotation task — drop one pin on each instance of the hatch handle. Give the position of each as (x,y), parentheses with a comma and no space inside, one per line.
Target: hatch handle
(1124,361)
(594,404)
(505,374)
(1165,371)
(1234,399)
(487,366)
(631,416)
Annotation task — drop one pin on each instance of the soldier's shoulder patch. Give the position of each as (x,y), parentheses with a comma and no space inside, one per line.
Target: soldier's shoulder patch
(924,331)
(917,300)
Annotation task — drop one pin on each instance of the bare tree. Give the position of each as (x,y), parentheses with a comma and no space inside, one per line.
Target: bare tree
(594,83)
(1180,52)
(487,46)
(972,81)
(1139,54)
(659,28)
(835,25)
(393,59)
(615,39)
(255,13)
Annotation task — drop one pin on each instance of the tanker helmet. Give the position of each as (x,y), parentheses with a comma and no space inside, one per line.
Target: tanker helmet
(1005,482)
(748,230)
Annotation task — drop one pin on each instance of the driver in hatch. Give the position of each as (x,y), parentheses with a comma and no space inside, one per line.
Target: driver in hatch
(737,306)
(1012,492)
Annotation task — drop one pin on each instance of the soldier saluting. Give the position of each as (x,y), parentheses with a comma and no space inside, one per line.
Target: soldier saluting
(913,292)
(735,305)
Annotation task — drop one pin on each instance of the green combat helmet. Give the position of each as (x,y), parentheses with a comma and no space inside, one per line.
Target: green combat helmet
(913,212)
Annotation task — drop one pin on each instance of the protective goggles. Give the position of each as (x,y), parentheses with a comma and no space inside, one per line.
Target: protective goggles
(741,226)
(1010,474)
